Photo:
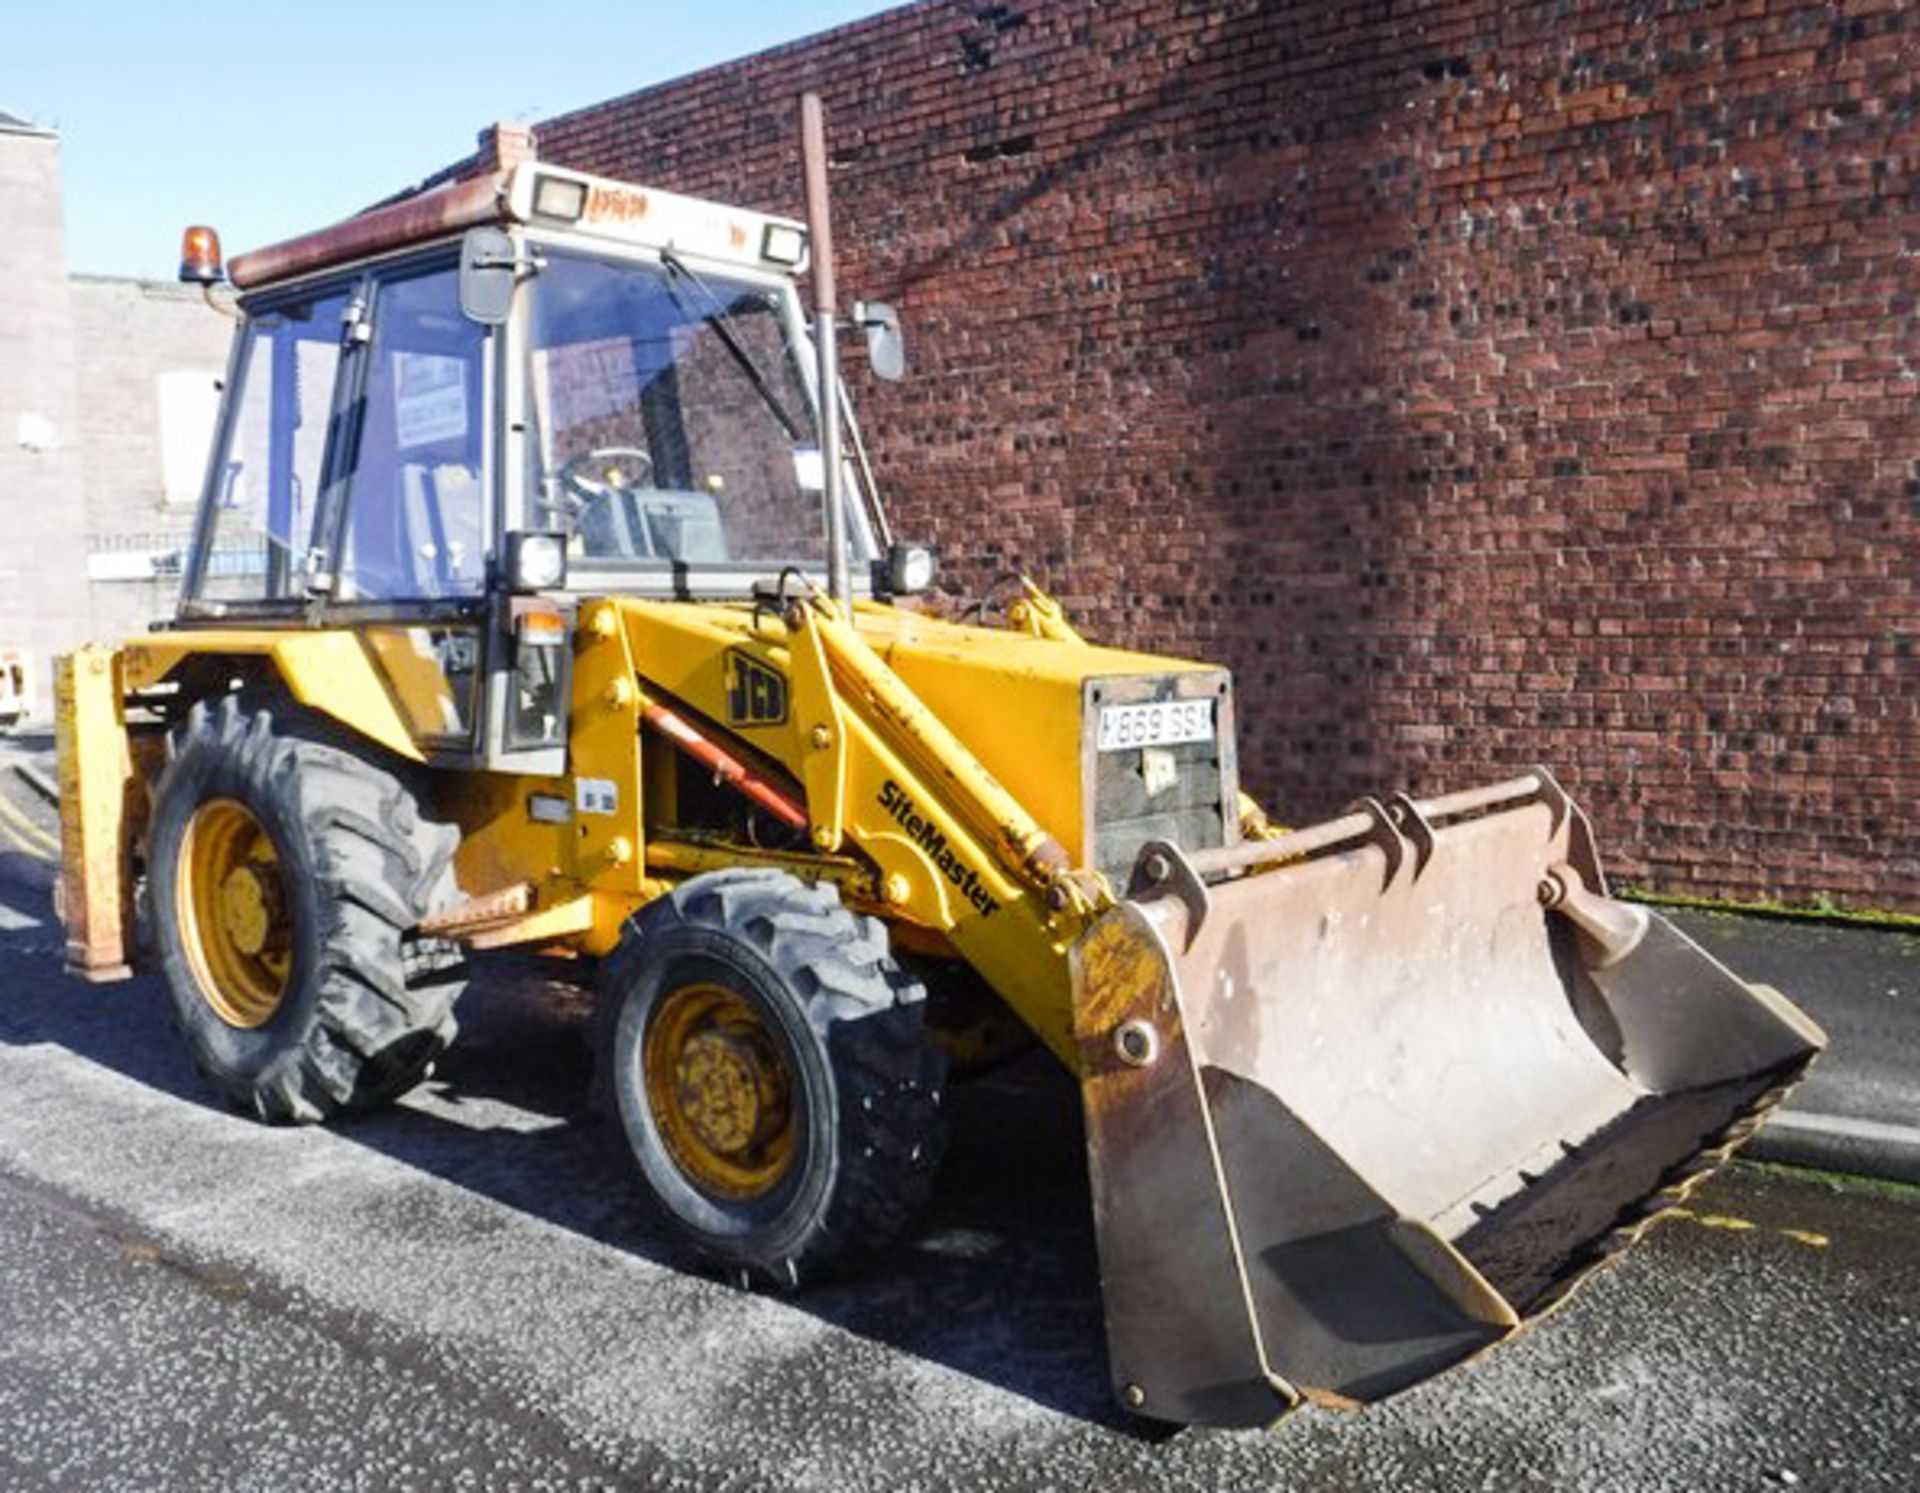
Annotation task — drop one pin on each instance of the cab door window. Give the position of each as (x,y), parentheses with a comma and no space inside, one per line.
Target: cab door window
(266,479)
(416,516)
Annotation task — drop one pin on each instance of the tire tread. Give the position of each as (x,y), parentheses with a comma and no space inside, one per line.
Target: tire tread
(383,1007)
(865,1009)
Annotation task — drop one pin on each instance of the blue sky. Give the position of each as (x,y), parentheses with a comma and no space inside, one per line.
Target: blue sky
(272,119)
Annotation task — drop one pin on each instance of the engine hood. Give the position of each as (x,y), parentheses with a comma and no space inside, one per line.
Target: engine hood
(1028,708)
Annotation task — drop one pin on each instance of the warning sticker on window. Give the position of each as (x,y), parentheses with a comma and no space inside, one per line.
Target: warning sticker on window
(429,399)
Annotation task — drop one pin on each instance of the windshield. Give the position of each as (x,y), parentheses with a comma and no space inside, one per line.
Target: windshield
(670,421)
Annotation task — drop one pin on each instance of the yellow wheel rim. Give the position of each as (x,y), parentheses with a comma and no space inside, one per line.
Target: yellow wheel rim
(233,913)
(719,1091)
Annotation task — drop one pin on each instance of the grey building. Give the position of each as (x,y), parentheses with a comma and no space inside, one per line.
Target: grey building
(107,394)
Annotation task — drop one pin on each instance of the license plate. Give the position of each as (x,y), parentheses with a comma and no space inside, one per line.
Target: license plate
(1159,723)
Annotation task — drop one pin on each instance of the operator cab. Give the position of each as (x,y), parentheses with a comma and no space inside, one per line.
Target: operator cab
(615,380)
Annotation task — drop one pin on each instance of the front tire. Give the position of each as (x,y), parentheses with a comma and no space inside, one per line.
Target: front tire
(771,1074)
(286,876)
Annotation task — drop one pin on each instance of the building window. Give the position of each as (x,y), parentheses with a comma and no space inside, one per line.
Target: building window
(189,404)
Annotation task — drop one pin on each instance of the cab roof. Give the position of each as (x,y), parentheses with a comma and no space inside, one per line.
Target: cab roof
(538,194)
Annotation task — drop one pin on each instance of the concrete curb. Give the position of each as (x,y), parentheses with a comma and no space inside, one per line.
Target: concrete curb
(1835,1143)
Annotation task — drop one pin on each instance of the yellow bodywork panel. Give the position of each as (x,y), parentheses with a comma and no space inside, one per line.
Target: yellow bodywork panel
(96,789)
(512,833)
(407,656)
(604,752)
(578,841)
(333,672)
(1014,698)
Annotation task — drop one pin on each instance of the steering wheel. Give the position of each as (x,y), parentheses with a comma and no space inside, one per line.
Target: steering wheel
(604,472)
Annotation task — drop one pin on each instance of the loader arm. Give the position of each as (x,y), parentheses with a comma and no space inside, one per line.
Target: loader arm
(888,786)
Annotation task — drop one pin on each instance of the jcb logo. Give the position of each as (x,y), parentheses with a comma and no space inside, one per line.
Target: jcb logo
(756,694)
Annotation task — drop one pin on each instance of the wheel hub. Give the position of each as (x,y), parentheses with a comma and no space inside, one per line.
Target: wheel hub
(719,1091)
(233,913)
(248,906)
(726,1090)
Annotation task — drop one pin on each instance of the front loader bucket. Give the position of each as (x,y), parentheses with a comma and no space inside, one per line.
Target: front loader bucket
(1364,1099)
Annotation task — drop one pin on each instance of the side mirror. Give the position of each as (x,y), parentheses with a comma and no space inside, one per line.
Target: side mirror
(886,349)
(488,267)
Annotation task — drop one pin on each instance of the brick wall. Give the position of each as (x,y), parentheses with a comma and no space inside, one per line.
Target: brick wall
(1485,383)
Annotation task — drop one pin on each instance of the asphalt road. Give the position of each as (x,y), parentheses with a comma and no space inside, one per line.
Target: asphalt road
(1859,1109)
(464,1293)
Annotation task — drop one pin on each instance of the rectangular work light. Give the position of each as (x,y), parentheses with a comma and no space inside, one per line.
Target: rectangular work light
(557,197)
(782,243)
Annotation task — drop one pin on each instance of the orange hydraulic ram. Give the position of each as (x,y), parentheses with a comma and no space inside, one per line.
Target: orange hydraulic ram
(726,767)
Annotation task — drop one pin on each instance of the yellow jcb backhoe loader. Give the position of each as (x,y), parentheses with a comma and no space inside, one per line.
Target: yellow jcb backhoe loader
(540,597)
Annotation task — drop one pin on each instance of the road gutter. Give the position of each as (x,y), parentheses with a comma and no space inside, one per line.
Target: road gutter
(1838,1143)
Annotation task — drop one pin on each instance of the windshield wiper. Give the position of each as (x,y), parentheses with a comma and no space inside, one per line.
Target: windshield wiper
(722,325)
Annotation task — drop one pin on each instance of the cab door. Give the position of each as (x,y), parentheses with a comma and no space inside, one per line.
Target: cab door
(406,540)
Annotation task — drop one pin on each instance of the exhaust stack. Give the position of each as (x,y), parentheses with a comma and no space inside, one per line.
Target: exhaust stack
(813,163)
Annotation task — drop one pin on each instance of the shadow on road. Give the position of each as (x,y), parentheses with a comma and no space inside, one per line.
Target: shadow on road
(1002,1283)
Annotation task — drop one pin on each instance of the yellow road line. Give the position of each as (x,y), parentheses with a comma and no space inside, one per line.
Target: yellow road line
(25,833)
(25,826)
(10,838)
(1746,1225)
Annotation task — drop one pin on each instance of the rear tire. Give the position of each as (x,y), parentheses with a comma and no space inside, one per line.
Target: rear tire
(286,877)
(771,1073)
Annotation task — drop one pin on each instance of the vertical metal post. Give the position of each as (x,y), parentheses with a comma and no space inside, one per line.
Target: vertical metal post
(813,161)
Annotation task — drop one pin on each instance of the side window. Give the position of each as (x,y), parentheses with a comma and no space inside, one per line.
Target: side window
(416,507)
(268,476)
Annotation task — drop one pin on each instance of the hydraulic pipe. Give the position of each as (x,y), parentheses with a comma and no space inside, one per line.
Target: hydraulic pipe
(726,767)
(813,161)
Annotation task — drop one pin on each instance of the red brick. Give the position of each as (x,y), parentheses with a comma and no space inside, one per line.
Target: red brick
(1485,383)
